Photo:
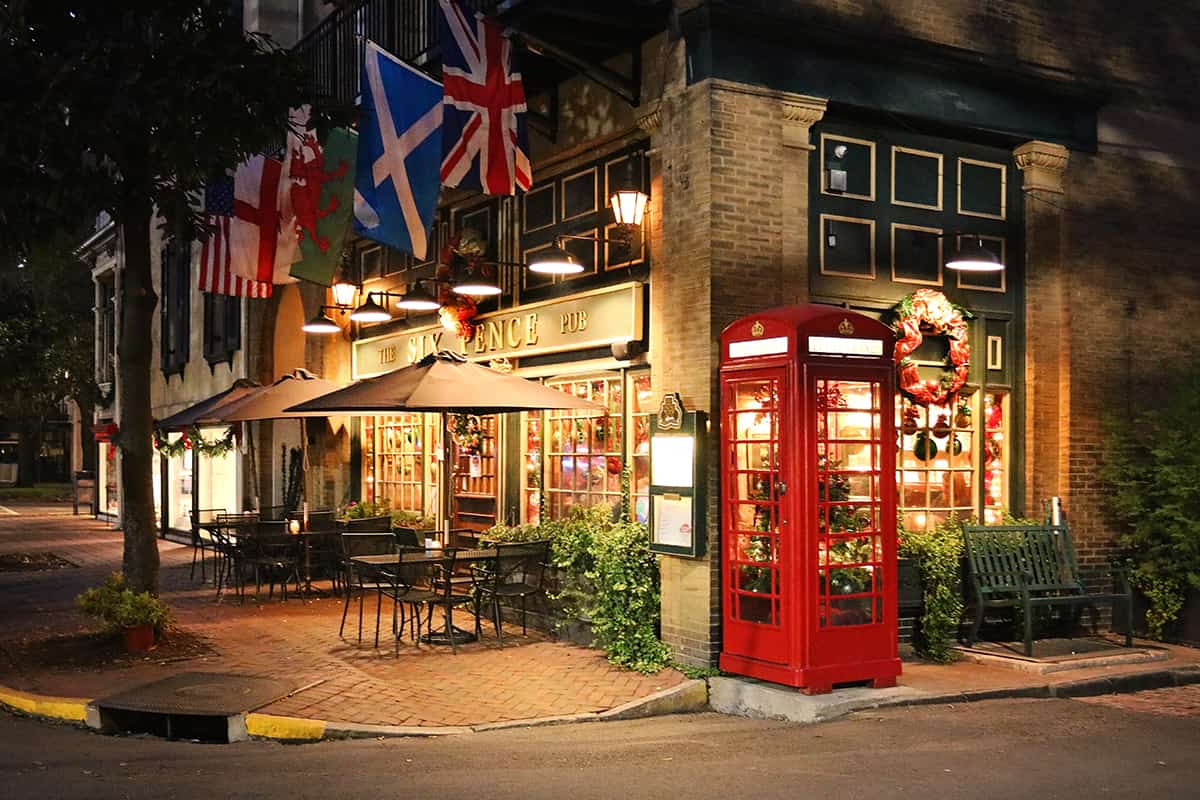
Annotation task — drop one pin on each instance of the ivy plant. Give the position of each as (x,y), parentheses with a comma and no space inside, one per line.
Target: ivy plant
(607,576)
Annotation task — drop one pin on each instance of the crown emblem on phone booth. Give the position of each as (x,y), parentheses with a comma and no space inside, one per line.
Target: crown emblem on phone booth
(757,329)
(846,327)
(670,412)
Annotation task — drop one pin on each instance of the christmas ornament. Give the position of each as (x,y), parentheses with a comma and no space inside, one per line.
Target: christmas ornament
(924,448)
(941,428)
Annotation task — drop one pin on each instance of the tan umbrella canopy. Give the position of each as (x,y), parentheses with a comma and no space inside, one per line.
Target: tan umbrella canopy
(272,402)
(443,381)
(205,412)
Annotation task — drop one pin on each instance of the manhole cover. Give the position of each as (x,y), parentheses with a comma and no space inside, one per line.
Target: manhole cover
(199,693)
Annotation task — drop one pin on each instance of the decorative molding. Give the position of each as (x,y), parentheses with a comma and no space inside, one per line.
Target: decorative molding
(800,113)
(649,116)
(1043,165)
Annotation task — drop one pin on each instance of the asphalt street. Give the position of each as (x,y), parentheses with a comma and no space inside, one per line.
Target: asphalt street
(999,749)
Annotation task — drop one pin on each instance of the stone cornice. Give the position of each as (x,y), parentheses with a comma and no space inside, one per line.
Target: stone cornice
(1043,165)
(649,116)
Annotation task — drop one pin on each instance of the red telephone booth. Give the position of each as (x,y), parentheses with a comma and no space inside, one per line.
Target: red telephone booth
(809,498)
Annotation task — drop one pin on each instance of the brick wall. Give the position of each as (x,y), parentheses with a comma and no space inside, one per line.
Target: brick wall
(1111,286)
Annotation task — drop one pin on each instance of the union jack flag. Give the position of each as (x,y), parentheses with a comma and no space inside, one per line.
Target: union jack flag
(484,142)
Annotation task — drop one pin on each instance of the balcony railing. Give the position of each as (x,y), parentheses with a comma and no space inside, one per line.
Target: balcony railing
(406,28)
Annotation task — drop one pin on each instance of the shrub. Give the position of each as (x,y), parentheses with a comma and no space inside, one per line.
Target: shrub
(938,554)
(118,606)
(608,576)
(1152,461)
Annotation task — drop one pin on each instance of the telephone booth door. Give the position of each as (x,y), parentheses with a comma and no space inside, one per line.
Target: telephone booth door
(756,528)
(853,518)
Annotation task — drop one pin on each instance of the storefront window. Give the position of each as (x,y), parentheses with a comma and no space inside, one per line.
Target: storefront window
(107,480)
(580,452)
(395,452)
(641,404)
(937,464)
(995,456)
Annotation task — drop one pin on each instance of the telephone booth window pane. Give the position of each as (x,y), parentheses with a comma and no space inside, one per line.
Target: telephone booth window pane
(752,501)
(850,548)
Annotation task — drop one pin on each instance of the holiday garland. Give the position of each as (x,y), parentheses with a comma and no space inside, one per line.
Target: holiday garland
(192,440)
(928,311)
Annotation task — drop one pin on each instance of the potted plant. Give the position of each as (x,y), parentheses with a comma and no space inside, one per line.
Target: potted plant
(139,616)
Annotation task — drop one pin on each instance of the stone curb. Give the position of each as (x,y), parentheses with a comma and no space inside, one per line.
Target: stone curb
(1085,687)
(689,696)
(62,709)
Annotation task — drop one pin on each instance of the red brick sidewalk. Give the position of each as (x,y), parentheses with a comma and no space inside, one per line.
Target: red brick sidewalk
(296,641)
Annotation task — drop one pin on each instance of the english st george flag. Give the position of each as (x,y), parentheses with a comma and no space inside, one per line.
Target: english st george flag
(484,142)
(262,228)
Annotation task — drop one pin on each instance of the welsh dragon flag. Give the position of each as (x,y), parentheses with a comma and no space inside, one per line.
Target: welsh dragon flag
(321,178)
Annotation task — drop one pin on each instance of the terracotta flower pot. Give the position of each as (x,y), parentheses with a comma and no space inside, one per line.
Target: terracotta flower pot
(139,638)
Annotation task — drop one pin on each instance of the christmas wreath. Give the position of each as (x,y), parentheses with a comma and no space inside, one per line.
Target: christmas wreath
(461,259)
(466,430)
(928,311)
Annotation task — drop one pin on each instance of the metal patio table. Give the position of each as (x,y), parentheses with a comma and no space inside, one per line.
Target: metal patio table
(433,556)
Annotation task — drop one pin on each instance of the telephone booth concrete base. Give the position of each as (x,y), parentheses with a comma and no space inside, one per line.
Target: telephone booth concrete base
(808,492)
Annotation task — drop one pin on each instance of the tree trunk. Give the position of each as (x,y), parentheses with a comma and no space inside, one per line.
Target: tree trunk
(137,454)
(28,448)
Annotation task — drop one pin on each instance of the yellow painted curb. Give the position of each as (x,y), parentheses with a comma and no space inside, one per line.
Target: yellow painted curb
(70,709)
(269,726)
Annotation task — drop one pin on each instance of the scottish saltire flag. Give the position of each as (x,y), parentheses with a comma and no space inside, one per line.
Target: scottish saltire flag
(216,277)
(484,142)
(399,152)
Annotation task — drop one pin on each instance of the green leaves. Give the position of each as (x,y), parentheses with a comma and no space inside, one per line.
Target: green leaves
(1152,462)
(608,576)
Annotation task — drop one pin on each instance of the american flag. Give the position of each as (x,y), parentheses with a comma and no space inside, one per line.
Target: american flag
(484,143)
(216,277)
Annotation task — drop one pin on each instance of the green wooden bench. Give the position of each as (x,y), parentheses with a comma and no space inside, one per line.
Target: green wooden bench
(1030,567)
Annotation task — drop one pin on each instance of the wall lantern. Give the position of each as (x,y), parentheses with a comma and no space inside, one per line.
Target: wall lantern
(344,292)
(972,256)
(477,286)
(627,199)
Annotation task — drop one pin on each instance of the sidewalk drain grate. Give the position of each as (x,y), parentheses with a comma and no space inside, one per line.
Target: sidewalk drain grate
(191,705)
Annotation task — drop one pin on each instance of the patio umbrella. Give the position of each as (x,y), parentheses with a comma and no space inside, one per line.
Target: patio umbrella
(272,402)
(444,382)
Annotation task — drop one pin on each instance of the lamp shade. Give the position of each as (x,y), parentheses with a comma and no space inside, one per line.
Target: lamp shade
(629,206)
(370,311)
(972,256)
(343,292)
(554,261)
(419,299)
(476,286)
(321,323)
